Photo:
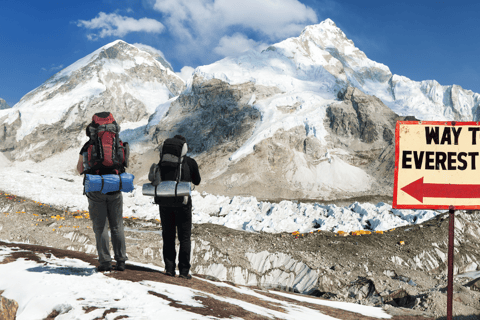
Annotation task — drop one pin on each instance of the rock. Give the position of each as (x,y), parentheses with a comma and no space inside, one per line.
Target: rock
(364,127)
(475,286)
(3,104)
(213,116)
(361,289)
(8,308)
(400,298)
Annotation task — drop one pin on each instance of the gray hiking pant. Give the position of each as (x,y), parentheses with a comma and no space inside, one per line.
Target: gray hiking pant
(103,207)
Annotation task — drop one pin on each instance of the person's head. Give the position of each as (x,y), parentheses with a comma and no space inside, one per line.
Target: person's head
(179,137)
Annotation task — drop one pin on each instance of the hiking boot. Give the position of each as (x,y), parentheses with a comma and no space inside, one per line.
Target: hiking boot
(120,266)
(185,276)
(105,266)
(170,273)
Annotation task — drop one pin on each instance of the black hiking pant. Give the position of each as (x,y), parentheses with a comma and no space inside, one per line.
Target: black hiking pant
(175,219)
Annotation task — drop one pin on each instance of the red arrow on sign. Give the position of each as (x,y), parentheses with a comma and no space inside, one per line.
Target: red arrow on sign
(419,190)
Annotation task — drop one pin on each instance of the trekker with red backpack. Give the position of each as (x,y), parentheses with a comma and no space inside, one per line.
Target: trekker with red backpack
(105,154)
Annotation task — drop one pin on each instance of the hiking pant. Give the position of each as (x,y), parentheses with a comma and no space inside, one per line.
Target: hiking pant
(173,220)
(103,207)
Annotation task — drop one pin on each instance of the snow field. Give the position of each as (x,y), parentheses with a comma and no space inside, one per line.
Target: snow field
(69,286)
(54,182)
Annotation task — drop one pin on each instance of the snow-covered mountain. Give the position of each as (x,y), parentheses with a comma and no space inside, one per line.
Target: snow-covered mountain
(3,104)
(117,77)
(323,59)
(309,117)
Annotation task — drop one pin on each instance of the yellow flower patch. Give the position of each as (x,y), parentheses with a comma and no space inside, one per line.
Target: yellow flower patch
(360,232)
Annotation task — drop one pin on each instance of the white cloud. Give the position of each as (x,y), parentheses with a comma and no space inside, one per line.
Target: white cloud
(53,68)
(237,43)
(116,25)
(199,26)
(185,73)
(274,18)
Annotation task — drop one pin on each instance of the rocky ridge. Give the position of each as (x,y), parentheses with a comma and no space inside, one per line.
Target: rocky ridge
(3,104)
(159,57)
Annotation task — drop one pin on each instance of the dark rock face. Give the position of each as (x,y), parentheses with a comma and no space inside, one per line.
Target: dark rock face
(362,116)
(365,126)
(213,114)
(7,134)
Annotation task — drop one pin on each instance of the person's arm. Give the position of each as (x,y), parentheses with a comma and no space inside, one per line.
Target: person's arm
(80,164)
(194,173)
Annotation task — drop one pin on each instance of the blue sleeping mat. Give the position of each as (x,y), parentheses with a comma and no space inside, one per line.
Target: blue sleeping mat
(110,183)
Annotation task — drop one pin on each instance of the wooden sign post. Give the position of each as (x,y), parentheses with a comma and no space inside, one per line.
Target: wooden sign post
(437,166)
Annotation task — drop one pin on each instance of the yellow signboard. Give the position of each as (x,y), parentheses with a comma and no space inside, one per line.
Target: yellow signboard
(437,165)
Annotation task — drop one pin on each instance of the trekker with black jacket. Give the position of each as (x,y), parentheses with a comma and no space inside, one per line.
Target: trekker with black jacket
(103,132)
(176,212)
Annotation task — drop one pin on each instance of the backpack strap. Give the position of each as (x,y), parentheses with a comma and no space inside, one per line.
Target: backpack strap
(178,174)
(98,148)
(173,160)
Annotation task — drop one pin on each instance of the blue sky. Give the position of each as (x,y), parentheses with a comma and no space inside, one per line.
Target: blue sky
(417,39)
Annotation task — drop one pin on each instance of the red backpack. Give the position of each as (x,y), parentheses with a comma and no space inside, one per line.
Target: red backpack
(107,154)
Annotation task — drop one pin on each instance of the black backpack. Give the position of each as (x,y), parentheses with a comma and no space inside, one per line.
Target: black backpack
(172,159)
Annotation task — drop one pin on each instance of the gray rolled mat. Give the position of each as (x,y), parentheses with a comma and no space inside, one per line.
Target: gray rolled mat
(167,189)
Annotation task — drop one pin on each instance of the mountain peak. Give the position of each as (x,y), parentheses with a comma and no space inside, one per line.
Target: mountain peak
(326,34)
(115,43)
(329,22)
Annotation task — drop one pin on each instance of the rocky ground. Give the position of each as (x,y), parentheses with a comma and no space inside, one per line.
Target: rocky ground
(402,270)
